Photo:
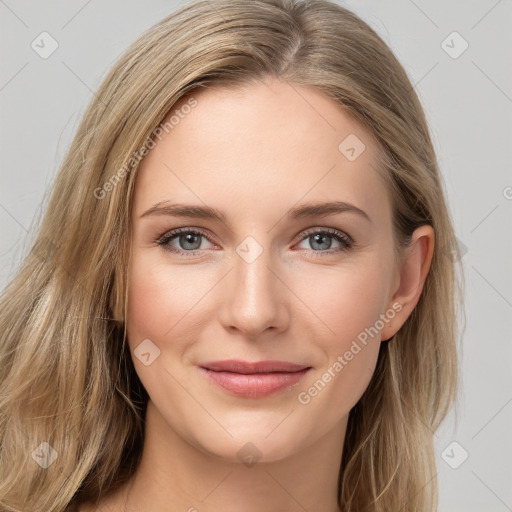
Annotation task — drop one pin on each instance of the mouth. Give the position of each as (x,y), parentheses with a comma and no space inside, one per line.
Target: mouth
(253,380)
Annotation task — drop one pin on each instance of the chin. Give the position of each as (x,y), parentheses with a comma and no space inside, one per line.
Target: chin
(250,445)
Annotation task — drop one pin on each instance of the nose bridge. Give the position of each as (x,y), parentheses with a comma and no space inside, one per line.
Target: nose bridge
(255,301)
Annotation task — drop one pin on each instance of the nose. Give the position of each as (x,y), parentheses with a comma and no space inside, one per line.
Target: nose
(255,296)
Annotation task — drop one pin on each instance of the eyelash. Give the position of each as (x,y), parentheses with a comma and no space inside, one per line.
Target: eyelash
(346,241)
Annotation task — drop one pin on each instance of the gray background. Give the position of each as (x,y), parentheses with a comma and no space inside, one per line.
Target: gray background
(468,101)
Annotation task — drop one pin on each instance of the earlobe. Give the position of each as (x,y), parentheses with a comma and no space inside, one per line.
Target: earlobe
(413,272)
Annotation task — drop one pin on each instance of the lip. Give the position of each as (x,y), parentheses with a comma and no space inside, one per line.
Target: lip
(253,380)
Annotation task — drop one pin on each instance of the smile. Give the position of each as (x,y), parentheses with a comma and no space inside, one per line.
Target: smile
(249,381)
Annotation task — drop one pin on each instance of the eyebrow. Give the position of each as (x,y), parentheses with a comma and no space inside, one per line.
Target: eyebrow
(315,209)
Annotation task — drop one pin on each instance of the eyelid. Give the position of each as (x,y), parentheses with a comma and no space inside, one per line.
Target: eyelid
(343,238)
(175,232)
(330,231)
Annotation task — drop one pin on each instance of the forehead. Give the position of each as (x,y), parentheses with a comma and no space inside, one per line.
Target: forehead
(259,146)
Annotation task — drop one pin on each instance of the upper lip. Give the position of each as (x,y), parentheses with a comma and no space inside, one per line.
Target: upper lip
(246,367)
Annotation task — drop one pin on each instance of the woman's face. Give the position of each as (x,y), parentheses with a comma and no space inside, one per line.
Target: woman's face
(265,283)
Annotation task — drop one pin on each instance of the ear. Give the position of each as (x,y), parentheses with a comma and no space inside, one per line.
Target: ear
(411,276)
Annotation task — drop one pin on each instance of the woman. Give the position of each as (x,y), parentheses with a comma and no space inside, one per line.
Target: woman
(261,367)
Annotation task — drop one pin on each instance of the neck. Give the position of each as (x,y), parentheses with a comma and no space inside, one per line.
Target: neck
(176,475)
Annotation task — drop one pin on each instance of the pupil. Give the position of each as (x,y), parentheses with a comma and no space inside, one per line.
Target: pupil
(318,238)
(189,239)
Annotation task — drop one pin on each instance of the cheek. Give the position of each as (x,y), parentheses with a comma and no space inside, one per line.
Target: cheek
(337,387)
(352,310)
(147,302)
(160,309)
(346,300)
(159,300)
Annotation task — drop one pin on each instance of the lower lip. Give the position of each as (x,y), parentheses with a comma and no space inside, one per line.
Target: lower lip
(254,385)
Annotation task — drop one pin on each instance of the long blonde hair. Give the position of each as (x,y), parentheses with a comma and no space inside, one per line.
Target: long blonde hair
(67,378)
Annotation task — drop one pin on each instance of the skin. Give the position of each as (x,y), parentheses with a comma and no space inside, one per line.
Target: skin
(254,153)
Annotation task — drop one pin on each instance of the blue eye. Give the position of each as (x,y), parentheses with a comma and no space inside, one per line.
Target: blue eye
(190,241)
(323,240)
